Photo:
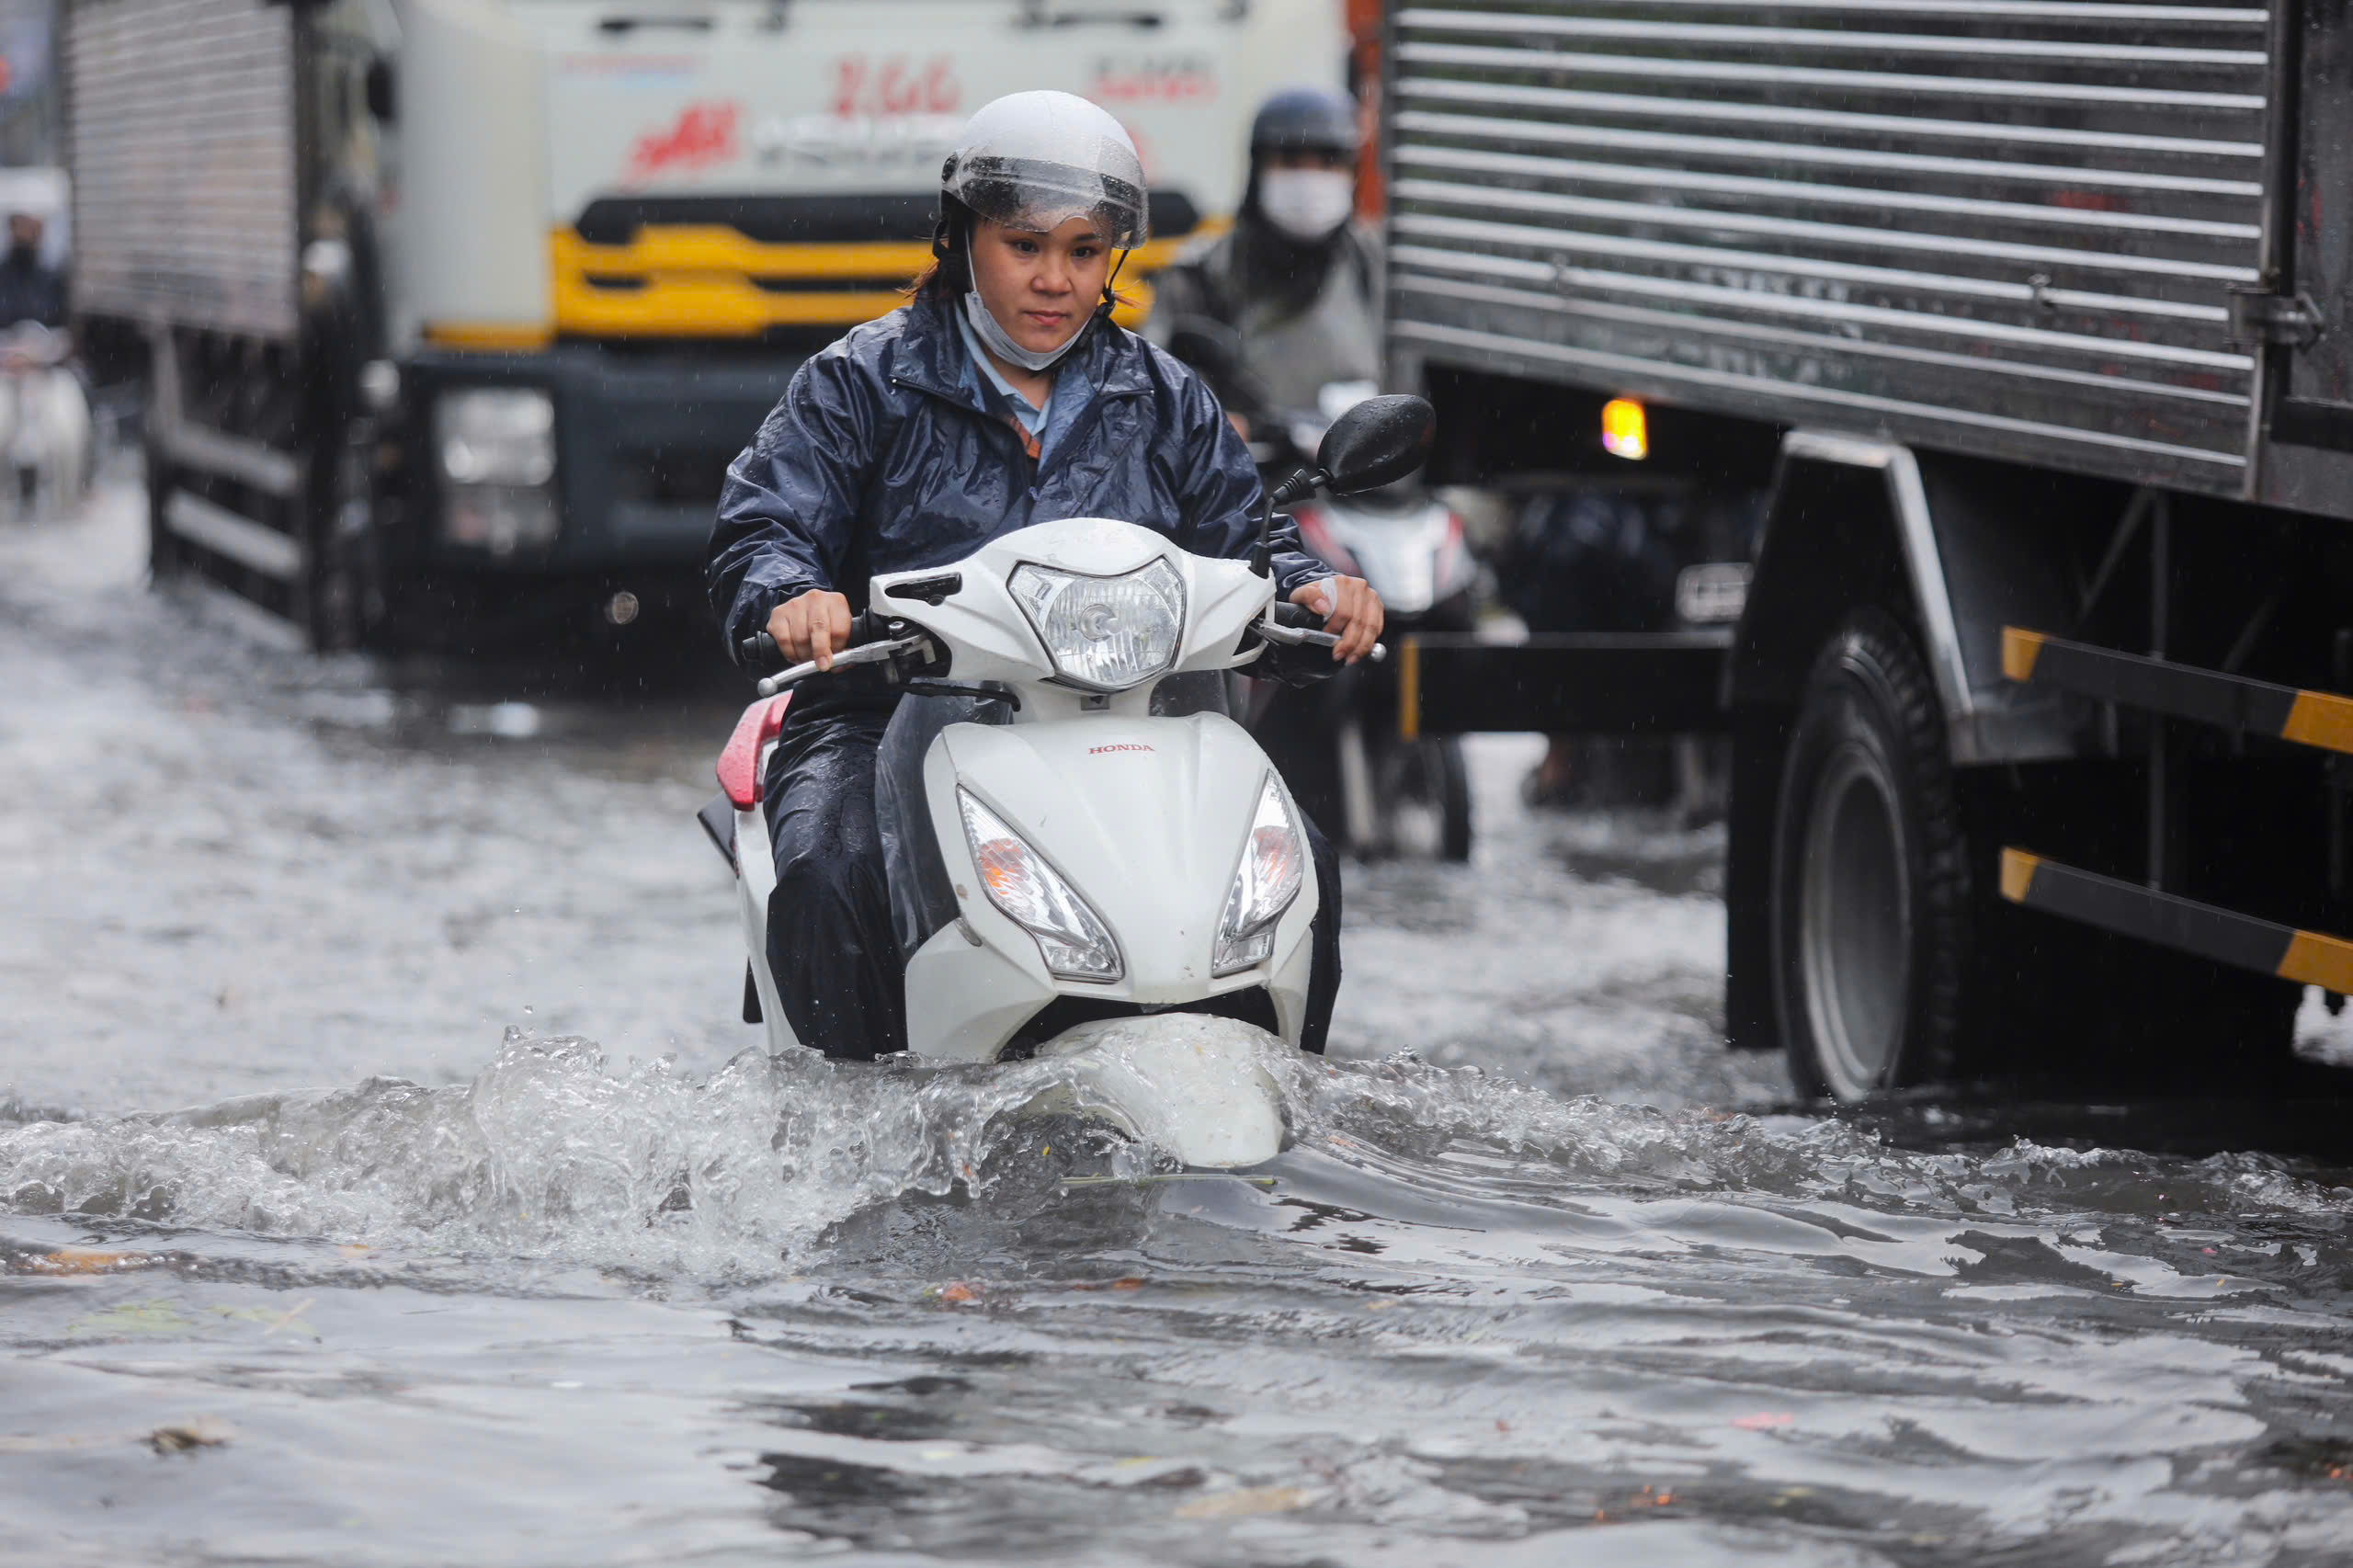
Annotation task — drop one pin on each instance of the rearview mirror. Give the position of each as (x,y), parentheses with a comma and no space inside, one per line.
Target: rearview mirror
(1378,442)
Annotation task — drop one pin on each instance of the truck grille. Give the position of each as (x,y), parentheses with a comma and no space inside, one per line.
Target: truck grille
(745,266)
(2008,227)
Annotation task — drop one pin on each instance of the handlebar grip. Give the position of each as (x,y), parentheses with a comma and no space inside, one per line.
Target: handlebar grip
(759,652)
(1306,629)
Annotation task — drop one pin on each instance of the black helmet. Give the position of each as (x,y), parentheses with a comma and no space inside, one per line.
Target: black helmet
(1305,119)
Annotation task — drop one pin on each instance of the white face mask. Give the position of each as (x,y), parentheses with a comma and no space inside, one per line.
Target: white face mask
(1307,204)
(999,341)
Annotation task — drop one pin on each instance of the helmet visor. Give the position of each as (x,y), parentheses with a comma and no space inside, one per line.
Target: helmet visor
(1039,196)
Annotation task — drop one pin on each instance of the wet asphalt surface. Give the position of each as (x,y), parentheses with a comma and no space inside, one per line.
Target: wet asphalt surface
(385,1176)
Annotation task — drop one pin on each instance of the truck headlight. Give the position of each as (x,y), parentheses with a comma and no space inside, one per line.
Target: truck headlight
(1273,868)
(496,451)
(1106,633)
(495,436)
(1070,936)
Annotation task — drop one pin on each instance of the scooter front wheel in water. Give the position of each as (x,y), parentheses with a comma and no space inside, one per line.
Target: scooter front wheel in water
(1192,1086)
(1871,885)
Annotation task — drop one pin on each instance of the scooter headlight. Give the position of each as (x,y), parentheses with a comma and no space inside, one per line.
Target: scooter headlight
(1274,865)
(1071,937)
(1106,633)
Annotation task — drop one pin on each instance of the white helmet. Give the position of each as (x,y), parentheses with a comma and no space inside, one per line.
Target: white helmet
(1036,160)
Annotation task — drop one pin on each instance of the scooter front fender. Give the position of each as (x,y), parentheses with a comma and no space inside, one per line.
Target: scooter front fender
(1199,1089)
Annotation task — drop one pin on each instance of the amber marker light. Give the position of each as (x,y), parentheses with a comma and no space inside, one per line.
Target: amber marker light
(1625,431)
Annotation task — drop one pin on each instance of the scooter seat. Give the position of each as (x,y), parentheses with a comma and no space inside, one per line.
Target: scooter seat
(739,764)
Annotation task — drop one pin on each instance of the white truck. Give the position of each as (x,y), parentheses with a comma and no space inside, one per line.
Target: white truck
(2026,324)
(454,311)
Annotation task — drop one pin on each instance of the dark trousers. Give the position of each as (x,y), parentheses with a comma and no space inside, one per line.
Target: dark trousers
(831,944)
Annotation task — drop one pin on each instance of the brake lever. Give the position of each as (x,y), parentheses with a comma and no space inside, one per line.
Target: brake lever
(864,653)
(1300,637)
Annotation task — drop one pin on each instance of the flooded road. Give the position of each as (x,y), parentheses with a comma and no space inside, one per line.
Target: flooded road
(386,1178)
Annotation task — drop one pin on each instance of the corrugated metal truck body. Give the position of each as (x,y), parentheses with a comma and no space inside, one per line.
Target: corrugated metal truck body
(2010,229)
(2028,327)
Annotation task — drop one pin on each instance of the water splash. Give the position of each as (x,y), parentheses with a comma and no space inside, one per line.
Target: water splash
(548,1152)
(1403,1107)
(551,1152)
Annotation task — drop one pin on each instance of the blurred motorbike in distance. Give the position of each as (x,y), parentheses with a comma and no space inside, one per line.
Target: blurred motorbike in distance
(1337,742)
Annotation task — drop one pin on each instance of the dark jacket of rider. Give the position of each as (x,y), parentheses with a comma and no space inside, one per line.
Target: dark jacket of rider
(29,291)
(1308,312)
(881,457)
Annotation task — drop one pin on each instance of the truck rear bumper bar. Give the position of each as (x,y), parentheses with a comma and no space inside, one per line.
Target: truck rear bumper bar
(2320,719)
(1605,683)
(234,535)
(2309,958)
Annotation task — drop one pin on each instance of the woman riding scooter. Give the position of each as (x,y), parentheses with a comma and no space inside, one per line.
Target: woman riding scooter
(1001,394)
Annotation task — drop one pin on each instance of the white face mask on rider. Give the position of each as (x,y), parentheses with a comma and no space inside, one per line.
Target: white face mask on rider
(1000,343)
(1307,204)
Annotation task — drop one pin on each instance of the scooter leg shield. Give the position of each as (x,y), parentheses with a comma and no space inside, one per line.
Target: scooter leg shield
(1195,1087)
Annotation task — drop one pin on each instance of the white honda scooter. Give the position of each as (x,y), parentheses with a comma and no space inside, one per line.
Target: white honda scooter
(1073,871)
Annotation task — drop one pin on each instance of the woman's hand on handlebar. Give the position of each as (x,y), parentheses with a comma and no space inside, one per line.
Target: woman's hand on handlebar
(814,626)
(1351,611)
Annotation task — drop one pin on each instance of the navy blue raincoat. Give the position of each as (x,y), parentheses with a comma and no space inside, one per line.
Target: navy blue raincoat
(881,458)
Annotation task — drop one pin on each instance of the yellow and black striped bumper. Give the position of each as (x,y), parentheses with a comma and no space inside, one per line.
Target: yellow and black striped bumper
(2309,958)
(2320,719)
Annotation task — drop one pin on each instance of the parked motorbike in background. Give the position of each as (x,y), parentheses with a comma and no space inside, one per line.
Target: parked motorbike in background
(1337,742)
(45,429)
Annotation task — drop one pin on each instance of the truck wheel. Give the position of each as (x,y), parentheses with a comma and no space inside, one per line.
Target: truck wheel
(163,559)
(338,579)
(1870,881)
(1454,800)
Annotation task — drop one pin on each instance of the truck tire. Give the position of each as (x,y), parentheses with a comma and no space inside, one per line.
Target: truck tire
(341,599)
(1871,888)
(1454,800)
(163,559)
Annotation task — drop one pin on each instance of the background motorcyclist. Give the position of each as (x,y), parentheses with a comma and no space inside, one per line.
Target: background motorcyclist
(1001,394)
(1296,279)
(45,450)
(1281,314)
(31,289)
